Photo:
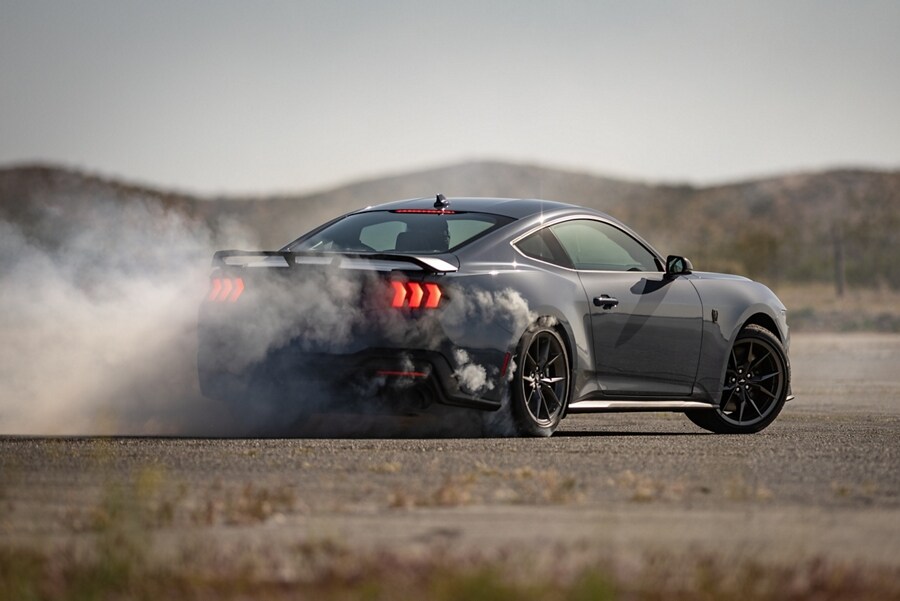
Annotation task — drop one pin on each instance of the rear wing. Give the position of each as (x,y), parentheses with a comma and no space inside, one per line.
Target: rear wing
(291,259)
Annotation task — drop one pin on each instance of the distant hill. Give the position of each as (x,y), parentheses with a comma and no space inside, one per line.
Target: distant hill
(809,227)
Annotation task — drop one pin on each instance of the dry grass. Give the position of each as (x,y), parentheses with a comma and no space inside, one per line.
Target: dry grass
(330,572)
(387,467)
(250,505)
(151,500)
(643,488)
(486,484)
(738,489)
(865,490)
(119,565)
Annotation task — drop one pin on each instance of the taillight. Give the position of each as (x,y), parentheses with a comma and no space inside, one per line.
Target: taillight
(225,290)
(434,296)
(414,295)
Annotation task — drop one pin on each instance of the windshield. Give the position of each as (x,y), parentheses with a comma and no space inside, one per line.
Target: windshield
(419,232)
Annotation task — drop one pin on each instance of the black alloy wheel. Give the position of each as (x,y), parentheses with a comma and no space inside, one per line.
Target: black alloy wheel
(756,385)
(541,382)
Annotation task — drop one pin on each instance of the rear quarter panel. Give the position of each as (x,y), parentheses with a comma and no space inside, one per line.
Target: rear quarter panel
(554,294)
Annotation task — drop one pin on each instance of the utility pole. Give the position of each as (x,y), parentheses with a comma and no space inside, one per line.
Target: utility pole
(840,276)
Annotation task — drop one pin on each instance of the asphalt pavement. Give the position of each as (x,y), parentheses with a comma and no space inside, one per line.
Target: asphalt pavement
(821,483)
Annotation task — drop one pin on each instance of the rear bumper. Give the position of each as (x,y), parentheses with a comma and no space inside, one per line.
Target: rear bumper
(390,380)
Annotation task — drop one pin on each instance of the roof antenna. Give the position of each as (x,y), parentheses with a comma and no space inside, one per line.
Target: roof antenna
(441,202)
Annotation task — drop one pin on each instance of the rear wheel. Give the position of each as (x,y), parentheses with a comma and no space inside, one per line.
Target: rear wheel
(756,385)
(540,387)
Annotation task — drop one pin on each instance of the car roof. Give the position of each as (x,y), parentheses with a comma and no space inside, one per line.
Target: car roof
(516,208)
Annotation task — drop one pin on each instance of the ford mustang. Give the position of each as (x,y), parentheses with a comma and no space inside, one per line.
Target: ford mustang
(522,310)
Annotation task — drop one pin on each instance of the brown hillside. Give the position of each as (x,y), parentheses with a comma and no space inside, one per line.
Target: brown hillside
(788,228)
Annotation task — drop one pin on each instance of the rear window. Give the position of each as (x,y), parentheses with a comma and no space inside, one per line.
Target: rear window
(398,231)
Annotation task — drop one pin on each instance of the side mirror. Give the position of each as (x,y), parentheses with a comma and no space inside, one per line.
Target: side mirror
(676,265)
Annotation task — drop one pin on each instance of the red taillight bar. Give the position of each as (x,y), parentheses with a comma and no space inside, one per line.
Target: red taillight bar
(225,289)
(434,295)
(401,374)
(238,290)
(399,294)
(215,289)
(414,295)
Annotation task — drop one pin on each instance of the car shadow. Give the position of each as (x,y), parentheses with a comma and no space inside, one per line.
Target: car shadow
(615,433)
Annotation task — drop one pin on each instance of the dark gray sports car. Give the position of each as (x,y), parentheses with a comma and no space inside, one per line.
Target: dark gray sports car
(525,310)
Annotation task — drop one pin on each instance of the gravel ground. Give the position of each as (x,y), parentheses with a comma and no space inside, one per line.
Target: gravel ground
(821,483)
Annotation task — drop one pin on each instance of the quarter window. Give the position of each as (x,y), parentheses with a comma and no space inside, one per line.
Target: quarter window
(544,246)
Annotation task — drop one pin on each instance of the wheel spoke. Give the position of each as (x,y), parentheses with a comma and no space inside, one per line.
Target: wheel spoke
(758,379)
(528,357)
(766,392)
(759,361)
(553,360)
(539,400)
(728,400)
(758,412)
(528,400)
(552,394)
(743,404)
(543,353)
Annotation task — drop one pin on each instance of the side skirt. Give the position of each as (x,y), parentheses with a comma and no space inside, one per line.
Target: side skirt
(597,406)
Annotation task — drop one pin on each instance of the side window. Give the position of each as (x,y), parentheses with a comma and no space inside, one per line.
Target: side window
(599,246)
(544,246)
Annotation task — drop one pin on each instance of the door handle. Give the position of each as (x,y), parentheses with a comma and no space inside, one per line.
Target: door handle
(605,301)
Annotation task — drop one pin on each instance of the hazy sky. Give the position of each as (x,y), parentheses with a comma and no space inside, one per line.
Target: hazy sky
(240,96)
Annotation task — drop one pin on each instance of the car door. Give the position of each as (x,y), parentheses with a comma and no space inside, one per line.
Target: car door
(646,326)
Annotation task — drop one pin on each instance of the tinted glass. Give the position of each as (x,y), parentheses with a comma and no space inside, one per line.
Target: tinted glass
(599,246)
(542,245)
(388,231)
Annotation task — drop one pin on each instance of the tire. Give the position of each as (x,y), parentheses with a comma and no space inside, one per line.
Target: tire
(541,383)
(750,401)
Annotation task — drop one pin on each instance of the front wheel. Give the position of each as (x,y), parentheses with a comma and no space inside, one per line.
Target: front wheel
(756,385)
(540,386)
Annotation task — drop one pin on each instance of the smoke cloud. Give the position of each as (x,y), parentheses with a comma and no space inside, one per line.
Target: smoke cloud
(472,377)
(99,325)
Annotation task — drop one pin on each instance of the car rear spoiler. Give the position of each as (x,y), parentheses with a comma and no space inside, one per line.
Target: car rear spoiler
(292,259)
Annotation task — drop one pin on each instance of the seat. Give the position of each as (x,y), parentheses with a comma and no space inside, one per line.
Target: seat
(413,241)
